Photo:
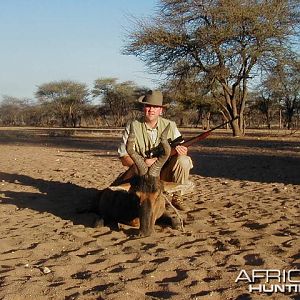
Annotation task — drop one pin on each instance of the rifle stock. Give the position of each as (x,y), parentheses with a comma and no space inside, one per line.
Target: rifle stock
(192,141)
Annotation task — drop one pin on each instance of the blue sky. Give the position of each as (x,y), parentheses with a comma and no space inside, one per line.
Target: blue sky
(81,40)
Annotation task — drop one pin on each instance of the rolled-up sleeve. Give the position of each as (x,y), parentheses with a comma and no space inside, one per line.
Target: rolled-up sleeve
(176,133)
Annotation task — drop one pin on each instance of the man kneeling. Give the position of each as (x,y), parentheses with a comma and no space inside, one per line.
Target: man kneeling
(148,131)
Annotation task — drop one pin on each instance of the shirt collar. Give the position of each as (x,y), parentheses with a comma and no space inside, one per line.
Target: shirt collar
(149,128)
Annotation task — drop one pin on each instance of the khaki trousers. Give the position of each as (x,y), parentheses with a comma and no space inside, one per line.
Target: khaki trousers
(177,169)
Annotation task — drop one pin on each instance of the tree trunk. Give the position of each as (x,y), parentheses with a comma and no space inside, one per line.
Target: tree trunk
(207,121)
(236,130)
(289,117)
(268,120)
(199,114)
(280,119)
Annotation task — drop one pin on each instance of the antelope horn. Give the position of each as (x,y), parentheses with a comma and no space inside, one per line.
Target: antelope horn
(138,160)
(154,170)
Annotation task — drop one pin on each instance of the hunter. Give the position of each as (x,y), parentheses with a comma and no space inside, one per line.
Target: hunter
(148,131)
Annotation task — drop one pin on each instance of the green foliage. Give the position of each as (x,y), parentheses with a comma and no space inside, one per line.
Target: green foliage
(13,111)
(221,43)
(117,99)
(190,95)
(66,99)
(284,84)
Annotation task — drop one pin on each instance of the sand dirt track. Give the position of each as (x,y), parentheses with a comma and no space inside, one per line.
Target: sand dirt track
(244,214)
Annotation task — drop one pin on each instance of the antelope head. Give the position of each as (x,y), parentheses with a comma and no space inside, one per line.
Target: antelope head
(147,183)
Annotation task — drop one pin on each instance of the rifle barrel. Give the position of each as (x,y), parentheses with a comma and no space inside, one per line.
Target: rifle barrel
(205,134)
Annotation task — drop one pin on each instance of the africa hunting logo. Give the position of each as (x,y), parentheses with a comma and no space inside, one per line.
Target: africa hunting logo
(271,280)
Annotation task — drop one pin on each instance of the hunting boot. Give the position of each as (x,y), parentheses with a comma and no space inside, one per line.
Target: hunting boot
(188,187)
(178,202)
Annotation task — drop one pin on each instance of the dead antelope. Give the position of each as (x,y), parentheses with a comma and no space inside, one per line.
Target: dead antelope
(144,201)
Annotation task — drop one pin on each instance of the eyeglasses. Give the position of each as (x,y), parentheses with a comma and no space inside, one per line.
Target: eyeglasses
(152,106)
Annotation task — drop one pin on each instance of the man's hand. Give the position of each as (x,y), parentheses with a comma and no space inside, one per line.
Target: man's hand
(150,161)
(181,150)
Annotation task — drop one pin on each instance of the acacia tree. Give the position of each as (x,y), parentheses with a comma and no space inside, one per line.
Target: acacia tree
(67,98)
(265,101)
(117,98)
(13,110)
(285,87)
(221,41)
(192,94)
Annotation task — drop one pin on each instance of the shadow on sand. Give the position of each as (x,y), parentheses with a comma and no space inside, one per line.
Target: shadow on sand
(65,200)
(260,168)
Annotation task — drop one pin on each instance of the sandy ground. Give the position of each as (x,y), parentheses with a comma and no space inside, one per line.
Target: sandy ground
(244,216)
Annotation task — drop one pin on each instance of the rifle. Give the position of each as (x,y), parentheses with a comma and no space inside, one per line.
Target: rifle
(158,150)
(124,177)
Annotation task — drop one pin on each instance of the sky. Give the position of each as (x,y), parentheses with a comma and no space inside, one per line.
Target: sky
(80,40)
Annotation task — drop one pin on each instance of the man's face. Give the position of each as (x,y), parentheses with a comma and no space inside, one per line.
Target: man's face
(152,113)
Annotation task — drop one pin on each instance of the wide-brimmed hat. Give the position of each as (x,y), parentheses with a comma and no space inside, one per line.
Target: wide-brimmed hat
(154,98)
